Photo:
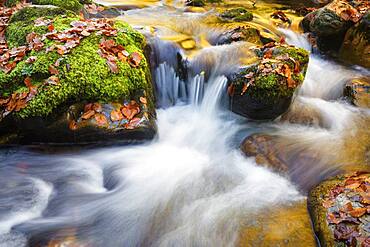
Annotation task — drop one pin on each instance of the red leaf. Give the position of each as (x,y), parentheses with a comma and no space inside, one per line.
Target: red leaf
(28,82)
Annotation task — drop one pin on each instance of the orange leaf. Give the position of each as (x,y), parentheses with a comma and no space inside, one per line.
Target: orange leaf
(116,115)
(100,119)
(28,82)
(88,114)
(53,70)
(72,125)
(357,212)
(143,100)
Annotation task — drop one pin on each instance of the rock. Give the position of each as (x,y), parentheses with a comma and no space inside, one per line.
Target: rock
(73,5)
(330,23)
(264,149)
(358,91)
(243,33)
(356,44)
(264,91)
(339,209)
(195,3)
(37,94)
(301,113)
(236,15)
(283,226)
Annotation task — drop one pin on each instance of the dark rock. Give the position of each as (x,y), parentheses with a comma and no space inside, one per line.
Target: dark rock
(356,44)
(195,3)
(265,90)
(357,91)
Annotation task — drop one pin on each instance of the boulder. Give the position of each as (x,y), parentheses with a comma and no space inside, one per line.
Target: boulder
(330,23)
(281,226)
(356,44)
(339,209)
(54,64)
(264,91)
(236,15)
(357,91)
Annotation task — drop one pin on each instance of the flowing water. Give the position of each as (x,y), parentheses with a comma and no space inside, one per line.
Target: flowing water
(191,186)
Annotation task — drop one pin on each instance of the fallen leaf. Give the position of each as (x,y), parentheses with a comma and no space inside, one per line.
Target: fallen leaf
(100,119)
(87,115)
(135,59)
(28,82)
(53,70)
(72,125)
(116,115)
(357,212)
(143,100)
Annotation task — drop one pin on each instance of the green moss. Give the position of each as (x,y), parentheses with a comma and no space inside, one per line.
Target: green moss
(237,14)
(73,5)
(22,23)
(11,3)
(83,74)
(272,86)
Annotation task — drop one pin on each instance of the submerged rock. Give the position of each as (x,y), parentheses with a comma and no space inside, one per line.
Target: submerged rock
(358,91)
(339,209)
(282,226)
(237,15)
(57,61)
(356,44)
(264,91)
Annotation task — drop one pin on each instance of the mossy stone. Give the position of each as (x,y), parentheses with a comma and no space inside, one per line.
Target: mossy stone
(237,14)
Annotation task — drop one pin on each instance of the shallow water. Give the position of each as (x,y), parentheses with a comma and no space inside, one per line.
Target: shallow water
(191,186)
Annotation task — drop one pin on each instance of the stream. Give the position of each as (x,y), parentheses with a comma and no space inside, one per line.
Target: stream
(191,185)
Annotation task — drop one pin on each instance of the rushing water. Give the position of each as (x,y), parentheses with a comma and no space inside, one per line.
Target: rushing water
(191,186)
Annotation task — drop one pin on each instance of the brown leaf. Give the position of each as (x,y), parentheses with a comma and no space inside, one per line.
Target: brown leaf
(116,115)
(97,107)
(357,212)
(28,82)
(100,119)
(135,59)
(268,54)
(143,100)
(31,59)
(245,88)
(53,70)
(52,80)
(112,66)
(72,125)
(88,114)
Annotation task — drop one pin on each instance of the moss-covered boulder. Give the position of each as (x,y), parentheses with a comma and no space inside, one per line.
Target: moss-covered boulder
(73,5)
(237,15)
(264,91)
(58,61)
(356,44)
(357,91)
(339,209)
(330,23)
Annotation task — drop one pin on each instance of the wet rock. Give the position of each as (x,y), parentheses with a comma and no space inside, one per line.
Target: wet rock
(339,209)
(283,226)
(356,44)
(236,15)
(40,87)
(330,23)
(243,33)
(264,149)
(195,3)
(357,91)
(300,113)
(264,91)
